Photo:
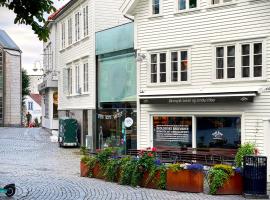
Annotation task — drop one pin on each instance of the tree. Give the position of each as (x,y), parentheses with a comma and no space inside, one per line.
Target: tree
(25,85)
(31,12)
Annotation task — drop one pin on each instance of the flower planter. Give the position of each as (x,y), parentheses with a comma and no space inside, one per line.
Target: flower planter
(185,180)
(97,172)
(84,169)
(233,186)
(153,183)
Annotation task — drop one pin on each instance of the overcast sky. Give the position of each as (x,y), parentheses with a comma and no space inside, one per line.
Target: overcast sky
(24,37)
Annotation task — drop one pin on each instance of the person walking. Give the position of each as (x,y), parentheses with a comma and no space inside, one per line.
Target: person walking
(28,118)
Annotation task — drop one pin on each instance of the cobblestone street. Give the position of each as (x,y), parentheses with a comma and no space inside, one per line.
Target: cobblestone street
(41,170)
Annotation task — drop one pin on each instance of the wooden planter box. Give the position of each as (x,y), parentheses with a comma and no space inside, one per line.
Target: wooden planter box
(84,169)
(185,180)
(153,183)
(233,186)
(97,172)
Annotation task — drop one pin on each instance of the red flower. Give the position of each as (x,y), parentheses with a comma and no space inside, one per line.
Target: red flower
(150,154)
(154,149)
(256,151)
(148,148)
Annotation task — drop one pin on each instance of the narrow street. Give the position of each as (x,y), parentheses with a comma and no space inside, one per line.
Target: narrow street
(43,171)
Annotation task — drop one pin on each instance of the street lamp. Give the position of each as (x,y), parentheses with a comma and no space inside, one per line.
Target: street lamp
(37,66)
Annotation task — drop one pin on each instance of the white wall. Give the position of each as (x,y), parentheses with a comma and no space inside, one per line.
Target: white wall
(36,112)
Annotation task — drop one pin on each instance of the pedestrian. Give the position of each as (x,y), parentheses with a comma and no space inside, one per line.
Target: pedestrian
(28,117)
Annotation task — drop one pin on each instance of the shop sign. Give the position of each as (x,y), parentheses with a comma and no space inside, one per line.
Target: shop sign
(128,122)
(115,116)
(198,100)
(172,133)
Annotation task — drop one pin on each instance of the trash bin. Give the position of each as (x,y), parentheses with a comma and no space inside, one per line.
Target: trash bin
(68,129)
(255,177)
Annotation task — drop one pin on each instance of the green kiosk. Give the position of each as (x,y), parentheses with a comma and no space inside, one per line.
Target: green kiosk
(68,129)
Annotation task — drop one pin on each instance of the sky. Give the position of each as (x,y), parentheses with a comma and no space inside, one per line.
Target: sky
(25,38)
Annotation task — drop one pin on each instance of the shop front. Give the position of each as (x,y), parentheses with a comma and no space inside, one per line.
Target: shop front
(211,123)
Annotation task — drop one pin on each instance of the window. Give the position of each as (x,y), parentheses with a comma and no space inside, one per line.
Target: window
(77,26)
(249,58)
(85,21)
(187,4)
(77,75)
(69,77)
(30,105)
(46,105)
(218,132)
(63,36)
(55,105)
(85,77)
(70,31)
(178,67)
(172,132)
(218,2)
(155,7)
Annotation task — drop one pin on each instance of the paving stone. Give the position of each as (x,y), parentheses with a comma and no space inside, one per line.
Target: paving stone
(43,171)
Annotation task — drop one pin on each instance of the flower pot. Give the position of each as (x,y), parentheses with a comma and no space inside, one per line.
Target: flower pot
(152,183)
(233,186)
(84,169)
(97,171)
(185,180)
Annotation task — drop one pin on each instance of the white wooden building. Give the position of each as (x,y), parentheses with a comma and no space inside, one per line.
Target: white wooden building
(203,66)
(76,24)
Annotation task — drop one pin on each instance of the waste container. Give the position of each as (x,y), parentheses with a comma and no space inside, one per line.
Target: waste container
(68,129)
(255,177)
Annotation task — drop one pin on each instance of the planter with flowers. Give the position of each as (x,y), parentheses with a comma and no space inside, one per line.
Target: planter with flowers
(84,166)
(185,177)
(223,179)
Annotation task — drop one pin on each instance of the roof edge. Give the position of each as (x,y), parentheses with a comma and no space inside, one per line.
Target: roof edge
(128,6)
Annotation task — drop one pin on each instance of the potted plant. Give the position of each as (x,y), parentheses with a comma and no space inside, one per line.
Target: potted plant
(84,166)
(223,179)
(244,150)
(185,177)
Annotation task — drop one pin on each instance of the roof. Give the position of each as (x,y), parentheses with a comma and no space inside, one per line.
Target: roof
(37,98)
(61,10)
(128,6)
(6,42)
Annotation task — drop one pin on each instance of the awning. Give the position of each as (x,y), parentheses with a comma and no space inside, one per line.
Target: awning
(210,98)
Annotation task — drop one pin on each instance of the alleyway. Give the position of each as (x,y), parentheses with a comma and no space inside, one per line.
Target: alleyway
(43,171)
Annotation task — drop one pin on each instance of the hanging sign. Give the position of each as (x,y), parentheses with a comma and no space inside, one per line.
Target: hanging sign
(128,122)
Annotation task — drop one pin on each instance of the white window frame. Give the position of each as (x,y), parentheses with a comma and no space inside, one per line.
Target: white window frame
(85,21)
(168,67)
(30,105)
(238,61)
(70,31)
(69,80)
(63,35)
(151,14)
(77,78)
(85,77)
(77,26)
(187,6)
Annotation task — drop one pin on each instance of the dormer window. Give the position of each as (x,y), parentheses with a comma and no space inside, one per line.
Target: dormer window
(187,4)
(155,7)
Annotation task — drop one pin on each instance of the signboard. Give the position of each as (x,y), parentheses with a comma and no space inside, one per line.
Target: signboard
(172,133)
(128,122)
(198,100)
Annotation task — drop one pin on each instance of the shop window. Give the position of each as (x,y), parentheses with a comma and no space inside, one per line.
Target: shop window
(55,105)
(172,132)
(218,132)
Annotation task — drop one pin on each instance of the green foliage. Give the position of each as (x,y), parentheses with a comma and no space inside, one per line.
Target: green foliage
(128,166)
(83,150)
(85,159)
(152,177)
(103,157)
(175,167)
(244,150)
(25,85)
(112,168)
(31,13)
(218,175)
(217,178)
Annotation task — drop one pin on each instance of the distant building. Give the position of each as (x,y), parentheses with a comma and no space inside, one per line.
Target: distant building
(33,106)
(10,81)
(34,81)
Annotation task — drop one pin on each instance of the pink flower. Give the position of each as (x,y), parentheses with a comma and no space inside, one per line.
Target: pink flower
(154,149)
(148,148)
(150,154)
(256,151)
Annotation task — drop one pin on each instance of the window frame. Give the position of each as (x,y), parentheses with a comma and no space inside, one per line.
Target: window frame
(70,31)
(70,79)
(221,3)
(85,77)
(63,35)
(187,9)
(85,20)
(168,67)
(238,61)
(151,14)
(77,26)
(77,78)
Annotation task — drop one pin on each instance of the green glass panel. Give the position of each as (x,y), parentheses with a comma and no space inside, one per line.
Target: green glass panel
(117,79)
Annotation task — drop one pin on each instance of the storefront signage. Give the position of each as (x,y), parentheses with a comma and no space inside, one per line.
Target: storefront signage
(115,116)
(128,122)
(172,133)
(200,100)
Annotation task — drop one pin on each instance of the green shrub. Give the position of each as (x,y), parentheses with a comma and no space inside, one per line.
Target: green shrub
(175,167)
(245,150)
(111,170)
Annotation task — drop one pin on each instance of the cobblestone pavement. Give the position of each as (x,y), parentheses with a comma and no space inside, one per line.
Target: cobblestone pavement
(41,170)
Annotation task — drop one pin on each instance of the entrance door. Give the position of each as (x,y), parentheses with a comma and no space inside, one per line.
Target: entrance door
(85,125)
